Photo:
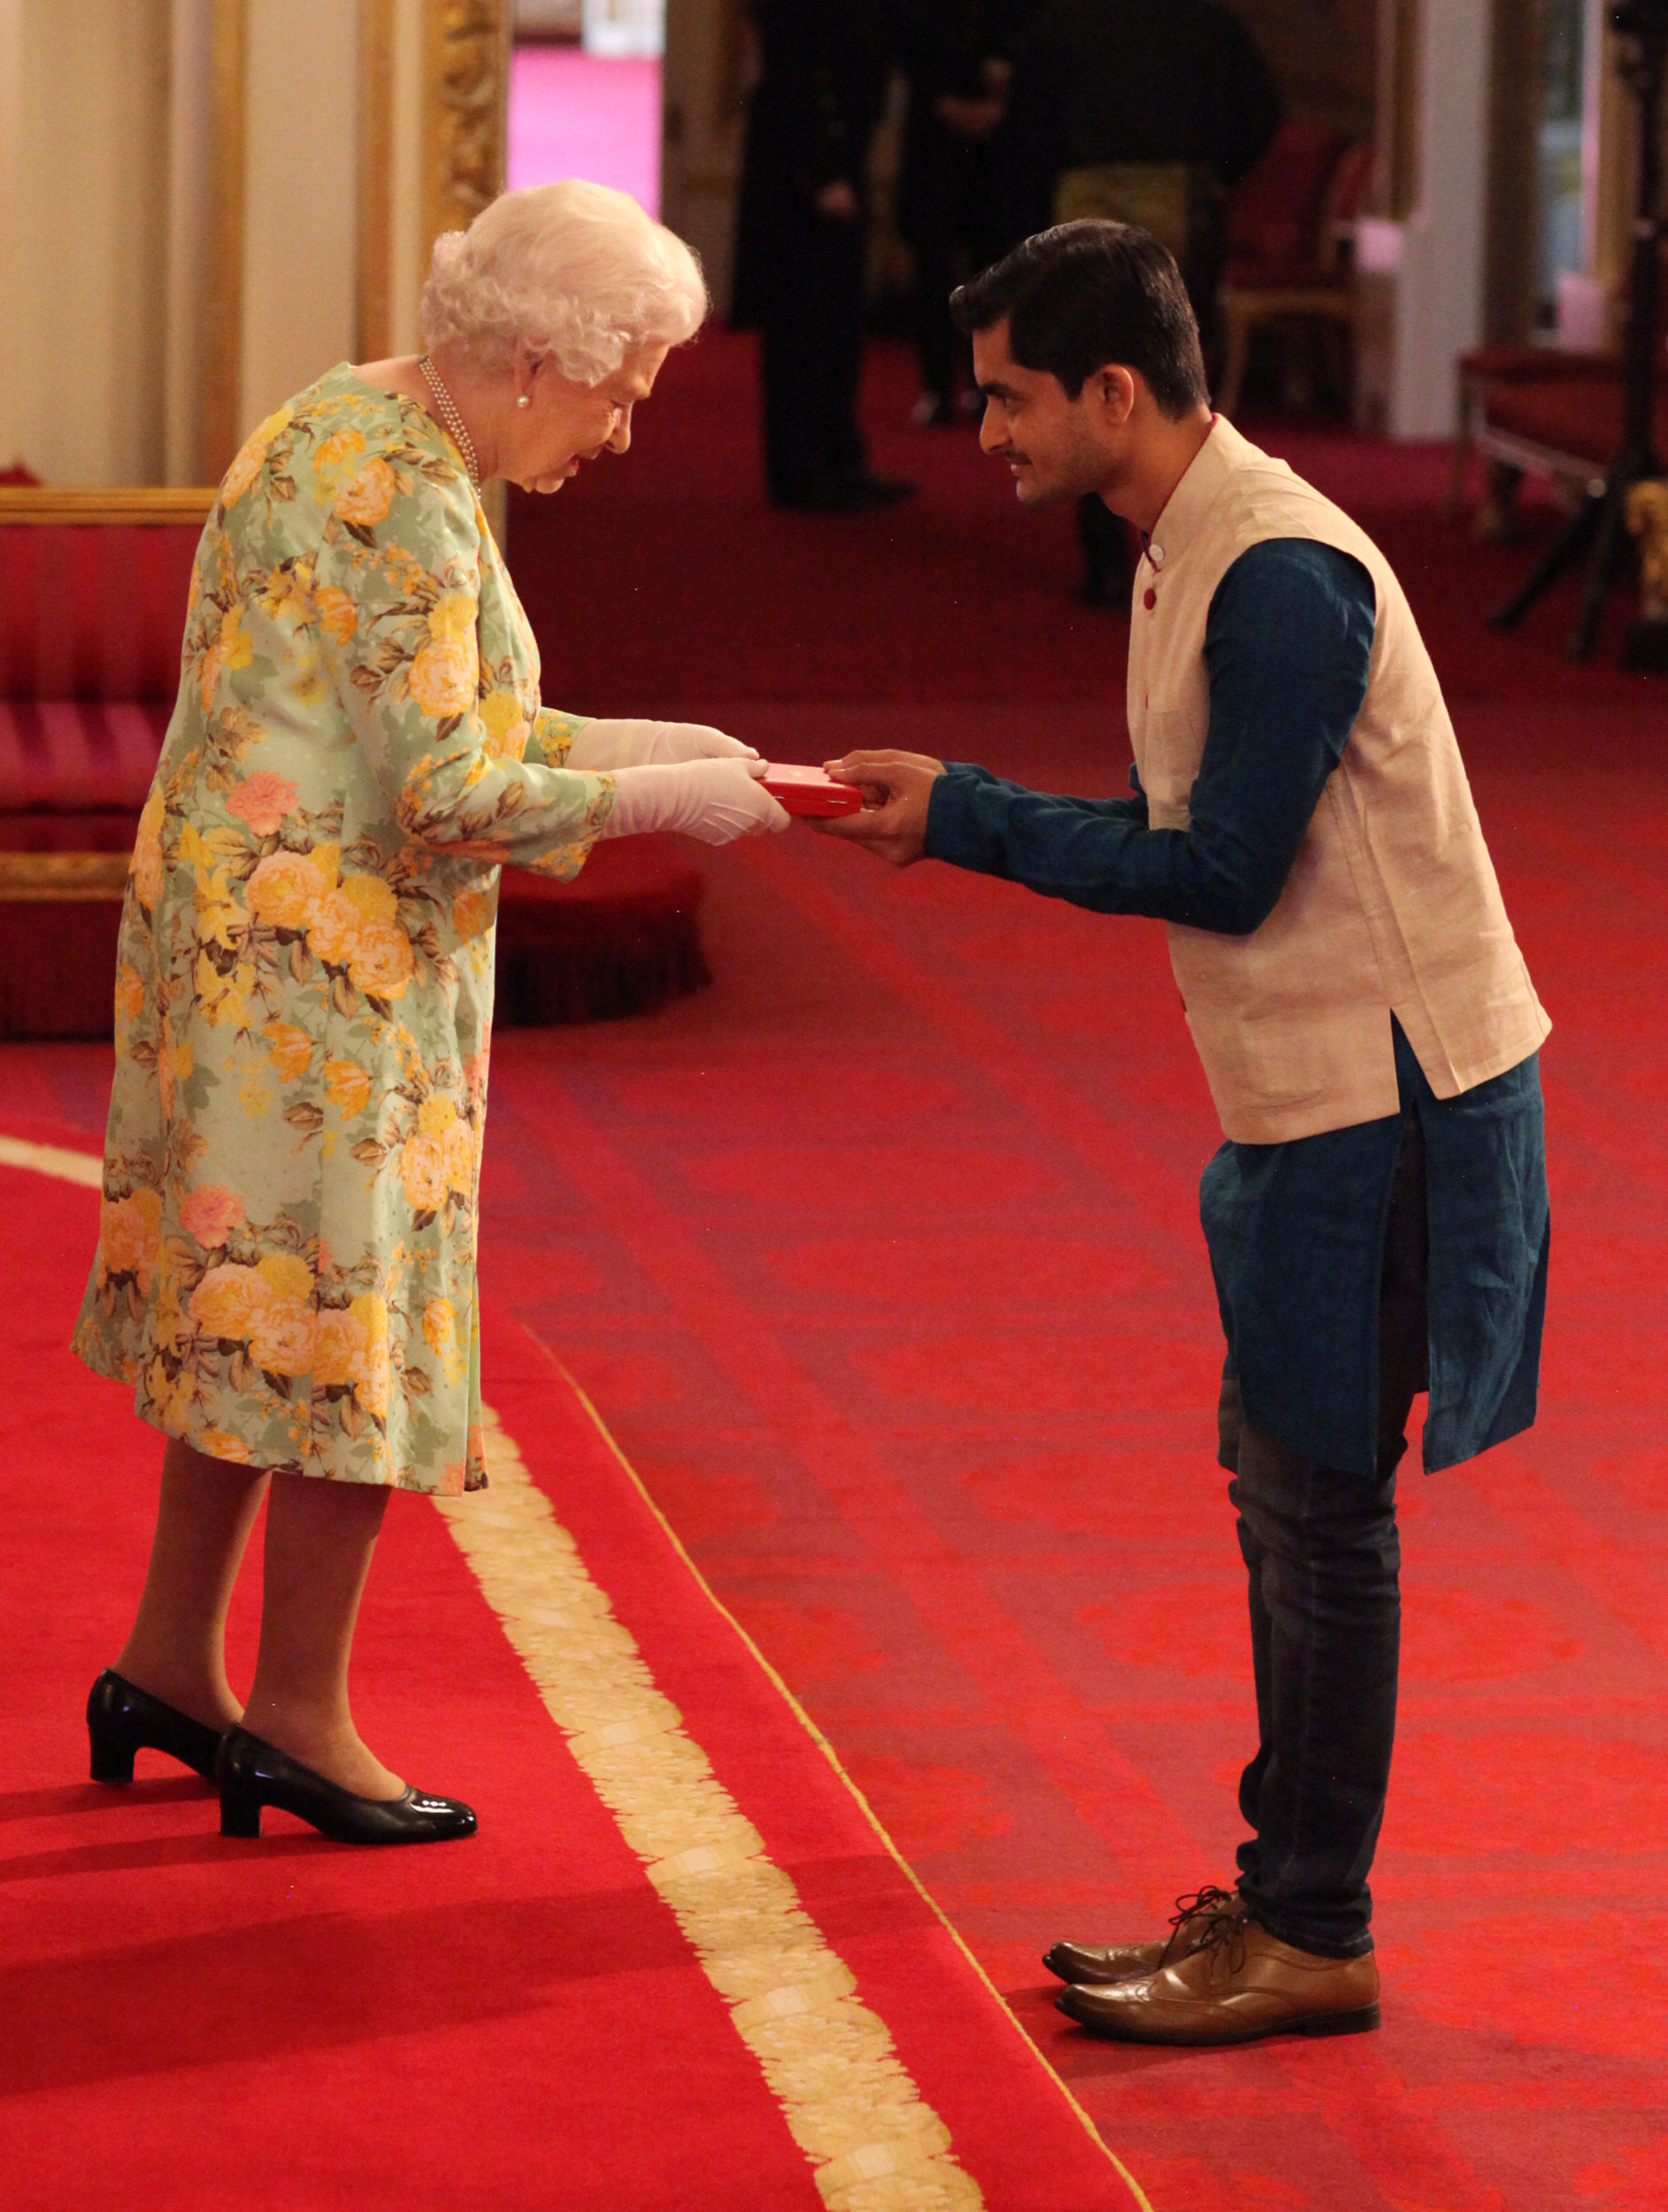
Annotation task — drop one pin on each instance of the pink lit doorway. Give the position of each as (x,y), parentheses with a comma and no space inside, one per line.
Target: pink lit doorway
(573,114)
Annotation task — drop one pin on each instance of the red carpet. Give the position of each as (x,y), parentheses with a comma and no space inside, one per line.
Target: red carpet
(881,1257)
(665,580)
(514,2022)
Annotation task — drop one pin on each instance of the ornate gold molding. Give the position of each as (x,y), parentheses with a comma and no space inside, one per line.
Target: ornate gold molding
(374,323)
(64,876)
(466,134)
(221,391)
(466,111)
(90,504)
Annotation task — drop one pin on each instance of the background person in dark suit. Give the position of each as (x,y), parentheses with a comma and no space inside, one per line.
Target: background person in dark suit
(804,224)
(1144,114)
(957,203)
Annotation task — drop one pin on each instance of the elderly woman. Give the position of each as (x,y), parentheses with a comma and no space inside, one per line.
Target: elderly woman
(286,1265)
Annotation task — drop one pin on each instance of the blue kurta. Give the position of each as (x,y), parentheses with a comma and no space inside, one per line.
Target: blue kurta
(1295,1231)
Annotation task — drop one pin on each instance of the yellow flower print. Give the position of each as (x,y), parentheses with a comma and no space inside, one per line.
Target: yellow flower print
(382,963)
(286,1275)
(369,495)
(371,1377)
(444,676)
(223,998)
(130,997)
(436,1113)
(220,920)
(231,649)
(173,1064)
(337,614)
(147,868)
(170,1330)
(332,931)
(454,614)
(440,1333)
(130,1237)
(372,896)
(505,724)
(347,1087)
(226,1302)
(287,889)
(423,1173)
(291,1052)
(473,912)
(235,639)
(254,1097)
(337,454)
(251,457)
(459,1145)
(281,1337)
(286,593)
(219,1445)
(341,1349)
(169,1396)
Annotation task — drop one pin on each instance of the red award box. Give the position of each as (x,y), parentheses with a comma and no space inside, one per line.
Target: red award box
(810,791)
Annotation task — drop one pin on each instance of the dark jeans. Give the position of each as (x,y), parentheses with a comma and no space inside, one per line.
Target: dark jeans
(1323,1561)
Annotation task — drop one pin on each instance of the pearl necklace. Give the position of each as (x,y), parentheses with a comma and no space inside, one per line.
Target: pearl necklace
(452,420)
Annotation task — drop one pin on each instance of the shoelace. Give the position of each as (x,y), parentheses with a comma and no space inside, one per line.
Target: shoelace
(1223,1934)
(1223,1910)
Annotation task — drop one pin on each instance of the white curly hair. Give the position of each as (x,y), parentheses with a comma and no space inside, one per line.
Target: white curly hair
(574,271)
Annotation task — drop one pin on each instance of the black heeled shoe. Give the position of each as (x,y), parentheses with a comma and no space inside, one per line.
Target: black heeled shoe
(251,1774)
(122,1718)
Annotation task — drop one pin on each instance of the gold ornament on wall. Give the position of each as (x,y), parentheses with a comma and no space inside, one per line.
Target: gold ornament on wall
(466,111)
(1648,520)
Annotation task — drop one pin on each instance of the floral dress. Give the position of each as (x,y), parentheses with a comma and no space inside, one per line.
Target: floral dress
(286,1263)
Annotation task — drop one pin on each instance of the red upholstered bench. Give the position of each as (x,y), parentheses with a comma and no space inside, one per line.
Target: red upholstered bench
(1544,411)
(93,591)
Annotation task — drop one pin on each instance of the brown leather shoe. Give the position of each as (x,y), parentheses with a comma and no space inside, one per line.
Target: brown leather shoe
(1237,1985)
(1095,1963)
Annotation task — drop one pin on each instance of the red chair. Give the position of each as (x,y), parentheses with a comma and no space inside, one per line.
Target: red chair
(1542,410)
(94,586)
(1287,264)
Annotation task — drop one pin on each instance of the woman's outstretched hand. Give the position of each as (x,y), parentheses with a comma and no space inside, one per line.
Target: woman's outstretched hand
(713,800)
(625,743)
(897,789)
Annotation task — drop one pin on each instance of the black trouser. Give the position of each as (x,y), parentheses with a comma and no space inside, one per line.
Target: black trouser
(1323,1560)
(810,356)
(954,214)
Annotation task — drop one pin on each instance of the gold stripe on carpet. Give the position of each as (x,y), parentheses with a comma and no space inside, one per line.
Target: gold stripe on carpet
(87,1168)
(874,2143)
(828,1751)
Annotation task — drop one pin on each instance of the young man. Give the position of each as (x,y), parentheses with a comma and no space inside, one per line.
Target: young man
(1377,1218)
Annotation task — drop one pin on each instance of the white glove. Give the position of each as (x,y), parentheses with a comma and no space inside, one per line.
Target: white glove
(713,800)
(626,744)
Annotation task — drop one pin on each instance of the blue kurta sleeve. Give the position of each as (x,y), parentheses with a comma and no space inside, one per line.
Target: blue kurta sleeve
(1287,645)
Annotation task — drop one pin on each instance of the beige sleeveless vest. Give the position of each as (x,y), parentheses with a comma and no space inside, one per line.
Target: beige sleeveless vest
(1392,905)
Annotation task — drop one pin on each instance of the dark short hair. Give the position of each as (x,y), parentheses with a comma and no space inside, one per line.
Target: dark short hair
(1084,294)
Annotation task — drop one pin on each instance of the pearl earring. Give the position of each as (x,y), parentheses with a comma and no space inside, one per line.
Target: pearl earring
(524,400)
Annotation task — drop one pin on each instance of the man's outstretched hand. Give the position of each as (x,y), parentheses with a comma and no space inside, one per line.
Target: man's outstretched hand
(897,789)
